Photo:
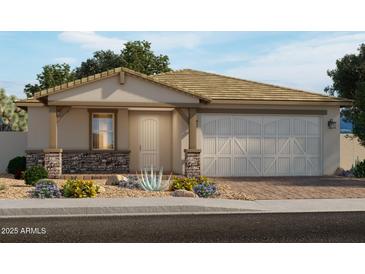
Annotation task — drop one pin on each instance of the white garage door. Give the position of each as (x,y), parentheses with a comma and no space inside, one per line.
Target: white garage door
(245,145)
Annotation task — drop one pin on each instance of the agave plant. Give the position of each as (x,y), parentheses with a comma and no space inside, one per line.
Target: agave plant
(152,182)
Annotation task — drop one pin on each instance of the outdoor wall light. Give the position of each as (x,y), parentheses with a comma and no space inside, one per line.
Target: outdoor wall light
(331,124)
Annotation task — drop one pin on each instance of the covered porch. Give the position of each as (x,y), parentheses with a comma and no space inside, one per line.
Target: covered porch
(114,140)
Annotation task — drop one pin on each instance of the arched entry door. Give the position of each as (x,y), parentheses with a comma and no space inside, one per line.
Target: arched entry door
(148,142)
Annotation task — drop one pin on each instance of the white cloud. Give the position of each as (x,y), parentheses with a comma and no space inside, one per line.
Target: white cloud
(91,40)
(173,40)
(301,64)
(67,60)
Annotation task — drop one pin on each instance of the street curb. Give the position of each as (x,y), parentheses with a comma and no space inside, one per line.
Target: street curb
(170,206)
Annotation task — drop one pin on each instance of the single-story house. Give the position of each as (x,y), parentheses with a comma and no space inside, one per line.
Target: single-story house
(186,121)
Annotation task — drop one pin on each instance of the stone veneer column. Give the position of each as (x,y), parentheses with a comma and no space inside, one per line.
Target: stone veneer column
(53,162)
(192,162)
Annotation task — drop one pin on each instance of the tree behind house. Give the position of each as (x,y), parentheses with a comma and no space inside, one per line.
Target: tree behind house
(136,55)
(12,118)
(51,75)
(349,82)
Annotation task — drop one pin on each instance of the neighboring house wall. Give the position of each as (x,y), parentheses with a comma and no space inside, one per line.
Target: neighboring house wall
(12,144)
(351,151)
(165,140)
(133,90)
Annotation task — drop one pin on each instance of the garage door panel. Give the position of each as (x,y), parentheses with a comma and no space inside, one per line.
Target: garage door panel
(269,166)
(239,127)
(224,127)
(254,126)
(283,165)
(313,128)
(223,166)
(313,165)
(208,165)
(299,166)
(283,127)
(254,145)
(269,145)
(239,146)
(299,127)
(299,145)
(270,127)
(283,145)
(240,166)
(247,145)
(254,166)
(314,144)
(209,128)
(224,145)
(209,145)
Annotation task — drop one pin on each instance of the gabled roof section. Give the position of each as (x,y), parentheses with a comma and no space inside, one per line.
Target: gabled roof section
(107,74)
(220,87)
(203,85)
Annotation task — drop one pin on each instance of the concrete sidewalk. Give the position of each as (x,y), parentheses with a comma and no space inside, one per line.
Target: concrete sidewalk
(172,206)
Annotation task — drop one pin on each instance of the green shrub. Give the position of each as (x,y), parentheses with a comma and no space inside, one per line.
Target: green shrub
(35,173)
(2,187)
(17,166)
(359,169)
(80,189)
(183,183)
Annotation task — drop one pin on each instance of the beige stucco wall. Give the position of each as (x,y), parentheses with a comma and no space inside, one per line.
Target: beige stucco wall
(330,140)
(351,151)
(134,90)
(180,140)
(12,144)
(123,129)
(74,134)
(73,130)
(38,128)
(165,138)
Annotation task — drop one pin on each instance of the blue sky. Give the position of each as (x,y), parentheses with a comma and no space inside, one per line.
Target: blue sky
(293,59)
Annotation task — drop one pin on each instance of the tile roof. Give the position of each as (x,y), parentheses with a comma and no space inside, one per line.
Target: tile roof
(204,85)
(220,87)
(107,74)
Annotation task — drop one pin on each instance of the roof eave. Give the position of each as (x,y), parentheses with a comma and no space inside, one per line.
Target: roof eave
(25,104)
(339,103)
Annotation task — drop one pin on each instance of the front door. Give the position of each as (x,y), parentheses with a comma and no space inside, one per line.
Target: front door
(148,142)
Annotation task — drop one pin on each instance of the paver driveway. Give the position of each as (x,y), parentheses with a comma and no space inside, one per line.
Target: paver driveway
(270,188)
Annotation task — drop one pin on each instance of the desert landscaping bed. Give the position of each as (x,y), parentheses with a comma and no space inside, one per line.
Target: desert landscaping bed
(17,189)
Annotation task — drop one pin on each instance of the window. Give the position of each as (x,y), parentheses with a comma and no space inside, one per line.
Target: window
(103,137)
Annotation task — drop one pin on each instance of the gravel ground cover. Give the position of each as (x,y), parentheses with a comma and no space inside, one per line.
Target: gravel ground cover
(17,189)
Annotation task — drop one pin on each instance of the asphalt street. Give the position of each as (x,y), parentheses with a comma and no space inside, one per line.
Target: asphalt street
(222,227)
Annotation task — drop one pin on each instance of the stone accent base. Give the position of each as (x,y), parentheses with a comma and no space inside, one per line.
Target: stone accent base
(94,162)
(34,158)
(192,162)
(80,162)
(53,164)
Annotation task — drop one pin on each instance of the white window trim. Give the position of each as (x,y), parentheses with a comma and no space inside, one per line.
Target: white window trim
(92,131)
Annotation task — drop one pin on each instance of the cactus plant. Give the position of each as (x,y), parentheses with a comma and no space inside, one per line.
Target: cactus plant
(152,182)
